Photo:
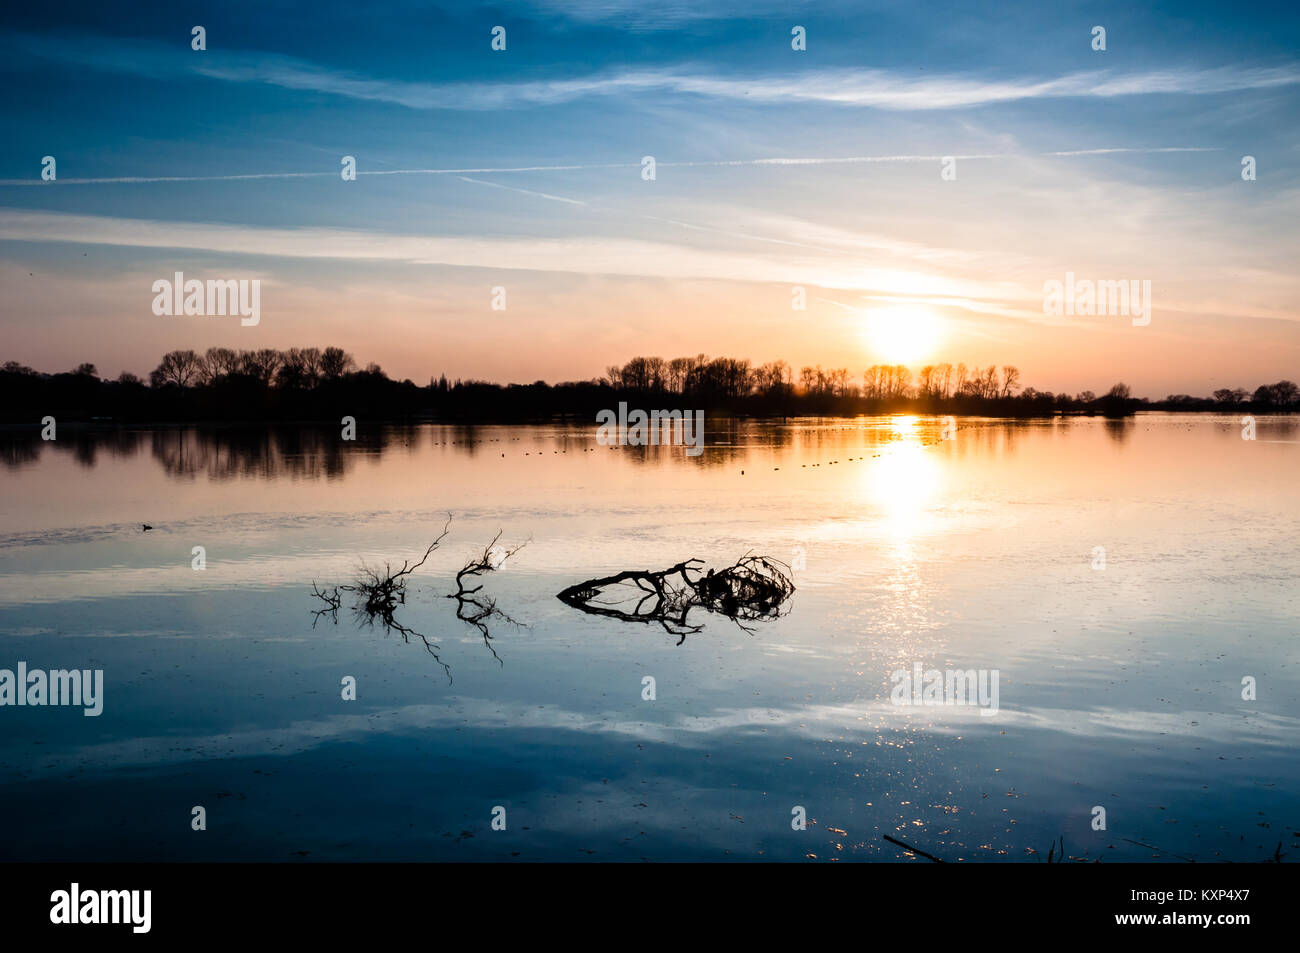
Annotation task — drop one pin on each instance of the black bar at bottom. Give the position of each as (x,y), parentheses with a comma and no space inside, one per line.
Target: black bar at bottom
(331,902)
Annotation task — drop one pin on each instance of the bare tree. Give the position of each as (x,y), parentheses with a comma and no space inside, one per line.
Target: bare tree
(218,362)
(1010,379)
(871,382)
(989,382)
(925,382)
(180,368)
(808,379)
(299,368)
(335,362)
(961,383)
(678,368)
(261,364)
(944,374)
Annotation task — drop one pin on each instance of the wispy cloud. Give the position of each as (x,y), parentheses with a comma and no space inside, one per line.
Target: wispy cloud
(647,16)
(881,89)
(711,163)
(885,90)
(773,249)
(592,255)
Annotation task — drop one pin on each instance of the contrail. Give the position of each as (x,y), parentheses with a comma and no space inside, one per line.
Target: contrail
(1102,152)
(134,179)
(715,163)
(511,188)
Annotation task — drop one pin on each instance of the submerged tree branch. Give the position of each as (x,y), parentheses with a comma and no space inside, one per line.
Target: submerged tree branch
(479,610)
(378,594)
(751,589)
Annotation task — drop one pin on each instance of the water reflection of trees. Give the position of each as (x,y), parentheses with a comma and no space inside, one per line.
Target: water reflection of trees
(1119,430)
(270,453)
(219,454)
(24,447)
(987,437)
(316,452)
(20,451)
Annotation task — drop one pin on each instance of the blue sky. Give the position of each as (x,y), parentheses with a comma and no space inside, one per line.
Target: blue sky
(1122,164)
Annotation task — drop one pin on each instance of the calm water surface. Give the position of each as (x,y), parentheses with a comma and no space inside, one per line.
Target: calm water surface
(1119,688)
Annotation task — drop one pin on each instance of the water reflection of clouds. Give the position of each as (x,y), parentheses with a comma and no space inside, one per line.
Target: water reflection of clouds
(259,573)
(878,718)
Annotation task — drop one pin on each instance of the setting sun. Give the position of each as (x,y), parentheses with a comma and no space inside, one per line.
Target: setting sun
(901,335)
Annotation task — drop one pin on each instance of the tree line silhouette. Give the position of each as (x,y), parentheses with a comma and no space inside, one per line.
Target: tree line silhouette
(311,384)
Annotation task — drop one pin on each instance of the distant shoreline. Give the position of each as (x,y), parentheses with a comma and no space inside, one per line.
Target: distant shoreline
(314,385)
(104,425)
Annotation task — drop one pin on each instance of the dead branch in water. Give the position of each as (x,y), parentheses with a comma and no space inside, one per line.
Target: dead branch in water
(1060,859)
(379,593)
(753,588)
(478,610)
(914,850)
(332,599)
(492,559)
(382,591)
(1148,847)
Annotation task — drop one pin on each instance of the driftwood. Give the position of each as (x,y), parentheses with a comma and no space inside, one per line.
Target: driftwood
(914,850)
(379,593)
(478,610)
(752,589)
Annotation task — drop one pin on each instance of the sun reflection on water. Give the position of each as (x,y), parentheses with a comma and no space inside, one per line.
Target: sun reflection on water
(903,481)
(902,486)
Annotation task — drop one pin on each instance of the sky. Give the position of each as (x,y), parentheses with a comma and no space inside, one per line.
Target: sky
(775,169)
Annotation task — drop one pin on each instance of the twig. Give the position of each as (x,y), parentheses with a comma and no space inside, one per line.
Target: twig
(379,594)
(1163,851)
(915,850)
(479,610)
